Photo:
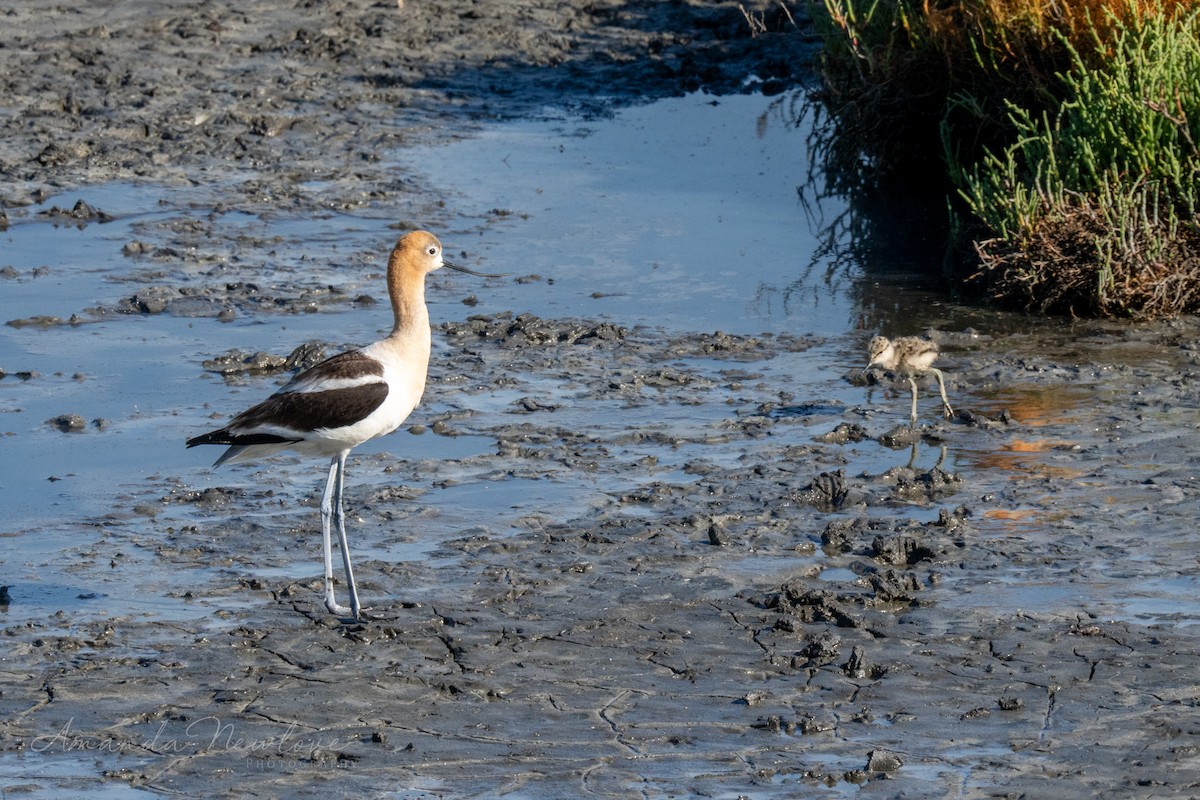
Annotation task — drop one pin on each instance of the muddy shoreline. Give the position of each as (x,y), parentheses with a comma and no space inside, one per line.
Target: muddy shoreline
(263,100)
(637,561)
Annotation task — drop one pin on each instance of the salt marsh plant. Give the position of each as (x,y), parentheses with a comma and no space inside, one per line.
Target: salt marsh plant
(1093,206)
(1067,137)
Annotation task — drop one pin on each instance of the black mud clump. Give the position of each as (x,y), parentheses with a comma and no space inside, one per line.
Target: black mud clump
(211,497)
(239,362)
(68,423)
(902,550)
(735,347)
(871,602)
(529,330)
(219,300)
(829,491)
(81,212)
(898,541)
(928,486)
(844,433)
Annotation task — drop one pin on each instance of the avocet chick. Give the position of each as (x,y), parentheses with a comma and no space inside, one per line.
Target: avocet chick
(909,356)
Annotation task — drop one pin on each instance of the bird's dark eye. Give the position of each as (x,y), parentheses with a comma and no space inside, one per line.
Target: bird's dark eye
(432,251)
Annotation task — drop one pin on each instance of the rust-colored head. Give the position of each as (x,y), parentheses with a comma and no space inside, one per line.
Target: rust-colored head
(420,253)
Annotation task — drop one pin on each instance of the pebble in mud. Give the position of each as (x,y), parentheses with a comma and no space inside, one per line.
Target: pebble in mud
(883,761)
(1010,703)
(857,666)
(717,536)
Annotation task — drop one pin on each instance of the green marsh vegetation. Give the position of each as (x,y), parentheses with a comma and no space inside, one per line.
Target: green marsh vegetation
(1063,134)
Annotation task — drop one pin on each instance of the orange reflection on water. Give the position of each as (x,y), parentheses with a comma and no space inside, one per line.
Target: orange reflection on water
(1019,520)
(1034,407)
(1035,446)
(1013,514)
(1037,405)
(1022,457)
(1011,520)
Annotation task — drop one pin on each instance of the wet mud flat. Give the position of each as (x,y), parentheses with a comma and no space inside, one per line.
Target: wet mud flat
(295,106)
(729,605)
(632,561)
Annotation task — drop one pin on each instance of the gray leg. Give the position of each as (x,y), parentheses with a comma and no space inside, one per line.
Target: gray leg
(327,507)
(340,513)
(946,409)
(913,383)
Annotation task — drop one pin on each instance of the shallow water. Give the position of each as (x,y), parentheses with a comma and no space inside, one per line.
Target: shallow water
(683,213)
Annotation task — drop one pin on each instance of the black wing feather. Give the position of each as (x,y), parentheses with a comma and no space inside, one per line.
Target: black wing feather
(303,411)
(308,411)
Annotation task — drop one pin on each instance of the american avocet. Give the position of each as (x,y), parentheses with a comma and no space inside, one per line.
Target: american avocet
(342,402)
(910,356)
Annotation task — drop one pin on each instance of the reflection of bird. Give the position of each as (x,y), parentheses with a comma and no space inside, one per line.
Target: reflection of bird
(342,402)
(909,356)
